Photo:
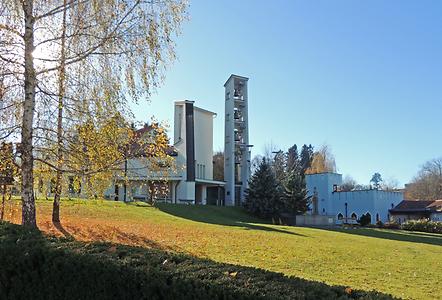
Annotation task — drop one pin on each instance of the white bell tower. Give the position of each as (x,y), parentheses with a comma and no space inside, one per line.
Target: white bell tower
(236,140)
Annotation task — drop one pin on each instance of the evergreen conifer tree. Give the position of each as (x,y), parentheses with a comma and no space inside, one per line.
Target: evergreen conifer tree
(293,160)
(295,197)
(306,157)
(263,197)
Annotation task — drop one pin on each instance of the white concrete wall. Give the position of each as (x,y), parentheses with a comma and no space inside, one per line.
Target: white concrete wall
(186,191)
(370,201)
(180,137)
(308,220)
(203,125)
(358,202)
(437,216)
(324,186)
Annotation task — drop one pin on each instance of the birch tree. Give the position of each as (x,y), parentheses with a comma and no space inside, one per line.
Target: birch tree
(51,51)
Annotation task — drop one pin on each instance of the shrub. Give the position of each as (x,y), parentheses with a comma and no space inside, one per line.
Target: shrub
(364,220)
(33,266)
(391,225)
(423,225)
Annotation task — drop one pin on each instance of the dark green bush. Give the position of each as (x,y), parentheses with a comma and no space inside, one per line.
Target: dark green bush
(365,220)
(390,225)
(34,266)
(423,225)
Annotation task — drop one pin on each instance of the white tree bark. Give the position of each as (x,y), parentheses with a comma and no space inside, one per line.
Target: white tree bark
(27,194)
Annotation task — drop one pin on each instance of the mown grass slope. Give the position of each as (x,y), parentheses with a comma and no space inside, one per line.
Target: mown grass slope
(405,264)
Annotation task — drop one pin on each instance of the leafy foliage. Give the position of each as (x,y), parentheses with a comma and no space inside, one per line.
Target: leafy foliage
(323,161)
(33,266)
(422,225)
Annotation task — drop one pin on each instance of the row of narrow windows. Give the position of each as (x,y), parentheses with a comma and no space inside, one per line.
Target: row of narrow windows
(354,216)
(200,171)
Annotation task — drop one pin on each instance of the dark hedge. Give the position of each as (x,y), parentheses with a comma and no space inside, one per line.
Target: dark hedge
(35,266)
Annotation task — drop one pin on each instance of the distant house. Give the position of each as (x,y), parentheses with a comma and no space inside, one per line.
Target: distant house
(416,210)
(348,206)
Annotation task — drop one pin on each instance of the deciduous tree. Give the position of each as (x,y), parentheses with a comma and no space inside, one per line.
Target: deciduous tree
(427,184)
(126,43)
(323,161)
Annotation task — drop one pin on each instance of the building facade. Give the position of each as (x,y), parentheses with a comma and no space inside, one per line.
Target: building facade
(417,210)
(348,206)
(191,178)
(236,140)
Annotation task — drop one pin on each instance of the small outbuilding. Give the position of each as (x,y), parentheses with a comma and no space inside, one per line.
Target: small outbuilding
(417,210)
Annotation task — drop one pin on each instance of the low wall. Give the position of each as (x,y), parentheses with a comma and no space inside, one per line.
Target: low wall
(315,220)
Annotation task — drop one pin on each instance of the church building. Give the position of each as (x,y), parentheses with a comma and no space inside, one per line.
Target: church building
(348,206)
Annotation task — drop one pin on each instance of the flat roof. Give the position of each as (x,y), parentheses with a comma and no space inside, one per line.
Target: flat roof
(236,76)
(195,107)
(204,110)
(208,181)
(323,173)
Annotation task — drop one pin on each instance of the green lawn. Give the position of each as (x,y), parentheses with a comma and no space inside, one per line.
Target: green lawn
(405,264)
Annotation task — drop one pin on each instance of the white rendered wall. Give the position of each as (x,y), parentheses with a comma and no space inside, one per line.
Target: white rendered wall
(180,137)
(203,126)
(186,191)
(323,183)
(358,202)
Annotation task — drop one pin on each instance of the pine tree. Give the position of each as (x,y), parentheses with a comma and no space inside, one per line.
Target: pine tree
(263,197)
(295,197)
(293,162)
(306,157)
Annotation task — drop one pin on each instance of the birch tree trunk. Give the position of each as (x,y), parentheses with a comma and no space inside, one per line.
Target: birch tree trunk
(27,193)
(61,94)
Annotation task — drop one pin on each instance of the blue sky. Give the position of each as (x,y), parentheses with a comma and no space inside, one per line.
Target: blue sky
(364,77)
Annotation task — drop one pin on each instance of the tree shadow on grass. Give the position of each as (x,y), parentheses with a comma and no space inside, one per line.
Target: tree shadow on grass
(112,271)
(62,230)
(226,216)
(395,235)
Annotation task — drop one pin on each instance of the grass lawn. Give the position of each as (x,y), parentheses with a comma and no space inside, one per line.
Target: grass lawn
(405,264)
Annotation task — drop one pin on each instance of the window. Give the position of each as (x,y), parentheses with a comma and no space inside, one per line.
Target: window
(354,216)
(340,216)
(377,218)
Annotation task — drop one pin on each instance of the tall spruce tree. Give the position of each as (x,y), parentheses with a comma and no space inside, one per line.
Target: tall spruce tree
(293,160)
(306,157)
(295,197)
(263,197)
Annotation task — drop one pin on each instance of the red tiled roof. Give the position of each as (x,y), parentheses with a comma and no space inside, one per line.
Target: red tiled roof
(136,148)
(436,205)
(417,205)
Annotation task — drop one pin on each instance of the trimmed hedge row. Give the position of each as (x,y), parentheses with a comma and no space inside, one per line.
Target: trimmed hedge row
(34,266)
(422,225)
